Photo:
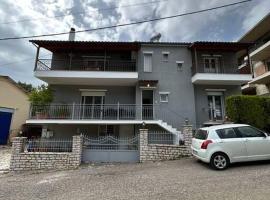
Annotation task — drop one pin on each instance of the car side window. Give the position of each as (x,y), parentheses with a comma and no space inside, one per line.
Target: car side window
(247,131)
(227,133)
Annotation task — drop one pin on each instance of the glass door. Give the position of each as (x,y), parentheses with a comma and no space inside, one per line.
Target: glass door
(147,104)
(215,105)
(92,107)
(211,65)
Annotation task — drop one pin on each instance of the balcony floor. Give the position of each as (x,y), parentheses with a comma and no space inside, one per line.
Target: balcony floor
(87,77)
(220,79)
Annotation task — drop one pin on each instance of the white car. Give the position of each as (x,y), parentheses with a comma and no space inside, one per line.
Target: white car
(224,144)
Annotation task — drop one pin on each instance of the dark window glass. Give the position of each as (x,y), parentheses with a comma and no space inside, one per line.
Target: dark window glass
(226,133)
(248,131)
(201,134)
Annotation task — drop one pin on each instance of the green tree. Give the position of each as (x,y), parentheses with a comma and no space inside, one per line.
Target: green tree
(28,87)
(41,96)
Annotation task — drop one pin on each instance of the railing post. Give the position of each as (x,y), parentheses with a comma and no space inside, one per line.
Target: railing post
(36,61)
(118,108)
(73,110)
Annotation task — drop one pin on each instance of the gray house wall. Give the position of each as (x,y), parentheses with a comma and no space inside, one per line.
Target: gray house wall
(114,94)
(201,100)
(181,103)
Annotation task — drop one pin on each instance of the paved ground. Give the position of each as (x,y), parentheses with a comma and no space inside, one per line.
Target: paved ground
(182,179)
(5,152)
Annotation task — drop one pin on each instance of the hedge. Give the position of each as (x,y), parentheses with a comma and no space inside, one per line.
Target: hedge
(253,110)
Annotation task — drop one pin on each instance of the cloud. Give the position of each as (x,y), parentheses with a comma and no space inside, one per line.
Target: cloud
(223,24)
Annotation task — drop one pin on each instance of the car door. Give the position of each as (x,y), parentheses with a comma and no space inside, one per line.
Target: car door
(232,144)
(257,143)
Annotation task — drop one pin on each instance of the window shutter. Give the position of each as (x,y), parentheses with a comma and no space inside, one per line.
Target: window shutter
(147,62)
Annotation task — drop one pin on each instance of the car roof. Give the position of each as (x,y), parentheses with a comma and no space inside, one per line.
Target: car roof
(211,128)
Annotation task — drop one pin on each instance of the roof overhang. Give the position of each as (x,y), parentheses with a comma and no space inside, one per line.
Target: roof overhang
(224,46)
(257,31)
(58,45)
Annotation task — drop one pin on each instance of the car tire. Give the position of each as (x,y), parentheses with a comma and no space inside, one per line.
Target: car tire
(219,161)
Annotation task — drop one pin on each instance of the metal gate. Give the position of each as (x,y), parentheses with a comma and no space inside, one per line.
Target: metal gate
(110,149)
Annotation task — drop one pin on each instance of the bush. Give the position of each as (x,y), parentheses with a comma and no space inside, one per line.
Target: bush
(253,110)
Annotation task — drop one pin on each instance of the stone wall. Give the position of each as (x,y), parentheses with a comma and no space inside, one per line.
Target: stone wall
(157,152)
(21,160)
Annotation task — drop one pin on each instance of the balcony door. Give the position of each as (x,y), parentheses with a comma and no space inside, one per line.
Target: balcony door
(147,104)
(211,64)
(215,105)
(92,106)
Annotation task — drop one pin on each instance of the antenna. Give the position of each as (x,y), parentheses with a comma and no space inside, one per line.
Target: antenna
(155,38)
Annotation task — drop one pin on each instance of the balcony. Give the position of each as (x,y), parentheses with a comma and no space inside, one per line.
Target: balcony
(261,53)
(87,71)
(220,76)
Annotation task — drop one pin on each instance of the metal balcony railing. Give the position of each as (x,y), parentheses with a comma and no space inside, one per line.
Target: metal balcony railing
(106,112)
(87,65)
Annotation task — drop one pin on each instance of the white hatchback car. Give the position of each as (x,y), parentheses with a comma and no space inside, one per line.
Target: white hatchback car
(224,144)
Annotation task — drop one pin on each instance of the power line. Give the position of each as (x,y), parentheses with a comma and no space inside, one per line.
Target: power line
(82,12)
(127,24)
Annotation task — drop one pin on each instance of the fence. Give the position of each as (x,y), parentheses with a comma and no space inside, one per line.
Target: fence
(48,145)
(161,138)
(111,143)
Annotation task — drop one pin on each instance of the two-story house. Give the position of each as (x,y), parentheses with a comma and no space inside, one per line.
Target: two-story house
(113,88)
(259,57)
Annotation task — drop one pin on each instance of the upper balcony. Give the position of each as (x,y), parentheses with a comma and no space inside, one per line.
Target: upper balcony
(215,63)
(87,71)
(87,63)
(261,52)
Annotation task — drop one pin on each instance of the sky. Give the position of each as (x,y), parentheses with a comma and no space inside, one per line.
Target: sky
(33,17)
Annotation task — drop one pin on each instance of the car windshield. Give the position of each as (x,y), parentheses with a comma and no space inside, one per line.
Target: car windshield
(201,134)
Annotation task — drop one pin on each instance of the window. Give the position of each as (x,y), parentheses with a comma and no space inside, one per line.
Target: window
(227,133)
(201,134)
(147,62)
(248,131)
(164,97)
(165,56)
(179,65)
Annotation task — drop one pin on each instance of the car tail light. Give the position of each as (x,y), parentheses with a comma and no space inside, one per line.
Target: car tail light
(205,144)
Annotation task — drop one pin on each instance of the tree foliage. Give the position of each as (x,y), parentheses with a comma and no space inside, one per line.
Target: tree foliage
(253,110)
(28,87)
(41,95)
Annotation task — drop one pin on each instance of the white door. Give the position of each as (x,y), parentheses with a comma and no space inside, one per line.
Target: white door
(233,144)
(257,143)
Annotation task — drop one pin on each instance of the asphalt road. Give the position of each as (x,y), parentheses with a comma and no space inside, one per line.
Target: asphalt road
(181,179)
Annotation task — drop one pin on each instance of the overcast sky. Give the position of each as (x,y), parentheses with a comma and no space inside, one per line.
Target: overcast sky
(17,56)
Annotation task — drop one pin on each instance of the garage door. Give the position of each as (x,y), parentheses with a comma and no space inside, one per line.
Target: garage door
(5,121)
(110,149)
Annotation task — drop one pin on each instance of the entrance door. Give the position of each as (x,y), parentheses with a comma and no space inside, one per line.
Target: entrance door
(147,104)
(5,121)
(92,107)
(215,104)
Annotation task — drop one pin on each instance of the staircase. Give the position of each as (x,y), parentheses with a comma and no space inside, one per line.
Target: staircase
(170,129)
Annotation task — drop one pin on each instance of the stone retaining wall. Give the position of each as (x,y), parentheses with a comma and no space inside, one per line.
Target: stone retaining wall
(157,152)
(21,161)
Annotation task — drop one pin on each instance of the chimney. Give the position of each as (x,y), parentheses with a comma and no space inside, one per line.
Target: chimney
(71,36)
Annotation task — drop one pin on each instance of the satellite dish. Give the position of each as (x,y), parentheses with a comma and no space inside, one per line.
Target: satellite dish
(155,38)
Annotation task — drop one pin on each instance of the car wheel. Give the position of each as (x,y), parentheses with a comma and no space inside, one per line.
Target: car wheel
(219,161)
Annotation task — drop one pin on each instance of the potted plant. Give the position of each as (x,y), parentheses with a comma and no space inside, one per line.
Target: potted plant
(40,99)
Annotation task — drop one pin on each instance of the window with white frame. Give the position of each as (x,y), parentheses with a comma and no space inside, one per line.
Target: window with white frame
(164,97)
(165,56)
(147,62)
(179,65)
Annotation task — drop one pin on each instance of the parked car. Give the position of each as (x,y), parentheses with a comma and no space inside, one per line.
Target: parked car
(224,144)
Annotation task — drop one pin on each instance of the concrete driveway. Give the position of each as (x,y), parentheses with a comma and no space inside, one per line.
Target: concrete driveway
(181,179)
(5,154)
